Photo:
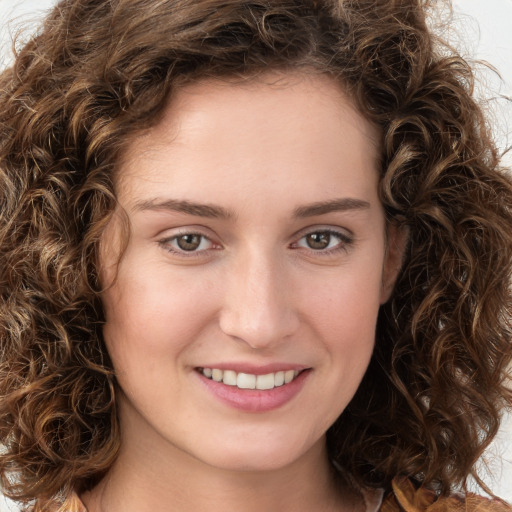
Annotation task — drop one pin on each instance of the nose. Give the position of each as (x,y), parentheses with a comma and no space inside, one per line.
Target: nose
(258,304)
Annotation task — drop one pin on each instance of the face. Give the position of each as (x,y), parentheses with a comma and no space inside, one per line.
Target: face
(242,316)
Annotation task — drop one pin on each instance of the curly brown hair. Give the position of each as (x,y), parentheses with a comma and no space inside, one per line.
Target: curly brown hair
(98,73)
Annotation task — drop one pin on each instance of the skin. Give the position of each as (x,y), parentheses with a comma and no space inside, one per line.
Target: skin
(281,162)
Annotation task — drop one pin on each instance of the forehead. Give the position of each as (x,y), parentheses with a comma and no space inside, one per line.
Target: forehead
(280,129)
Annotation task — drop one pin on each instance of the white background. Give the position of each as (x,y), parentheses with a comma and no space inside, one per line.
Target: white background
(482,30)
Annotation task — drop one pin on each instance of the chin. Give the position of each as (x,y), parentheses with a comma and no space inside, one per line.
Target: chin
(260,456)
(252,463)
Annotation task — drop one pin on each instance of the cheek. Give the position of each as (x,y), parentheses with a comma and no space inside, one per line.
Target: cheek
(151,311)
(344,321)
(343,313)
(345,307)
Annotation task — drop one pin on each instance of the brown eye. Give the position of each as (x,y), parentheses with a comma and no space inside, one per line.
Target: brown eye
(189,242)
(325,241)
(317,241)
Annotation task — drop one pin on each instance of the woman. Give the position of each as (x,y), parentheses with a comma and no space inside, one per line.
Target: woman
(255,256)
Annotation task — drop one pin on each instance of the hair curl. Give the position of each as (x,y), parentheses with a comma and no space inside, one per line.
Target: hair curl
(99,72)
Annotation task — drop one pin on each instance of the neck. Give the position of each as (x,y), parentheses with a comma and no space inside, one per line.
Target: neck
(143,483)
(152,473)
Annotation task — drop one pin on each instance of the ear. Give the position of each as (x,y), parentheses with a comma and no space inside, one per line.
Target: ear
(396,243)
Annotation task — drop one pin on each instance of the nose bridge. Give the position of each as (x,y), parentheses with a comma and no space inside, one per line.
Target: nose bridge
(257,306)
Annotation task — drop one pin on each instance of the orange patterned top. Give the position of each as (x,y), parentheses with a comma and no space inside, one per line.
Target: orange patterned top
(404,497)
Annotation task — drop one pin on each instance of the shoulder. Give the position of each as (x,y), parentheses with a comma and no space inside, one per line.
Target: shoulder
(71,503)
(406,498)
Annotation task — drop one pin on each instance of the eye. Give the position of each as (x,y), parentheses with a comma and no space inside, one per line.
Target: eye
(324,240)
(187,243)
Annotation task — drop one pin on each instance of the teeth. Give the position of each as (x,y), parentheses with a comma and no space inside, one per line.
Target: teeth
(229,378)
(248,380)
(245,381)
(289,376)
(265,381)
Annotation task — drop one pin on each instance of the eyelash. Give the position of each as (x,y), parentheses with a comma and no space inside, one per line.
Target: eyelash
(166,244)
(344,243)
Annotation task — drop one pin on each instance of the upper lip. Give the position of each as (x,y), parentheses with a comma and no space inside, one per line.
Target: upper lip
(255,369)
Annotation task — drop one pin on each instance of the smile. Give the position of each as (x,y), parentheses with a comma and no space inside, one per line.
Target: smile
(250,381)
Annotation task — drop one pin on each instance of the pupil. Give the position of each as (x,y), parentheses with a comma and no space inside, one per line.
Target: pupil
(189,242)
(318,240)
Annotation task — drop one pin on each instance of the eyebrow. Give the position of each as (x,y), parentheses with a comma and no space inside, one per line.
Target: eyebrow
(218,212)
(182,206)
(335,205)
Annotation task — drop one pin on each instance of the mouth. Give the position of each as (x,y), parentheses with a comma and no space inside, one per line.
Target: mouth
(259,392)
(243,380)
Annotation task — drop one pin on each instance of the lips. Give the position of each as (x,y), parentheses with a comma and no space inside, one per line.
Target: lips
(254,390)
(243,380)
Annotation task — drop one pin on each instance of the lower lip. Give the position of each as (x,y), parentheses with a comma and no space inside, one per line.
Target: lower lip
(255,400)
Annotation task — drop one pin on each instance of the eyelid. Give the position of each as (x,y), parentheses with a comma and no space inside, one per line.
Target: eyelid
(165,243)
(344,235)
